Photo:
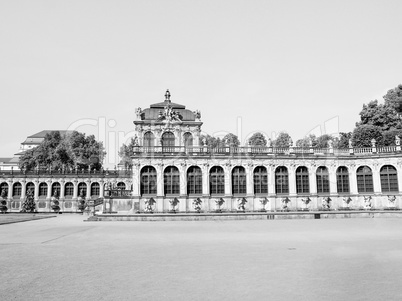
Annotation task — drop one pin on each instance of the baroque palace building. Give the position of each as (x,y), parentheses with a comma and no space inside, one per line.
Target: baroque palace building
(172,169)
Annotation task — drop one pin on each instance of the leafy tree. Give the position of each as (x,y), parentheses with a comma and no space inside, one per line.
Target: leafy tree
(322,141)
(283,140)
(126,151)
(212,142)
(57,151)
(29,204)
(363,135)
(231,140)
(389,136)
(306,141)
(257,139)
(343,140)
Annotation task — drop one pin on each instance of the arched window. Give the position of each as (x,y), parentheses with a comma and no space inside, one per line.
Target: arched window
(389,179)
(260,177)
(171,180)
(95,189)
(30,187)
(82,189)
(56,187)
(188,140)
(281,180)
(148,181)
(216,180)
(342,179)
(43,189)
(149,139)
(194,180)
(168,141)
(239,180)
(121,185)
(69,189)
(17,189)
(322,180)
(4,186)
(302,180)
(364,179)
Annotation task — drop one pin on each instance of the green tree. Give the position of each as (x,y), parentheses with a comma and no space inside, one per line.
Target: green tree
(343,140)
(363,135)
(126,152)
(257,139)
(306,141)
(231,140)
(29,204)
(283,140)
(210,141)
(389,136)
(322,141)
(57,151)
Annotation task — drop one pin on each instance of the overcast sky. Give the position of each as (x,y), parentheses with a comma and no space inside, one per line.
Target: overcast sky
(270,66)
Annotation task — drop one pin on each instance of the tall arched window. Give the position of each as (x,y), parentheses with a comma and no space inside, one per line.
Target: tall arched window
(121,186)
(168,141)
(149,139)
(17,189)
(260,177)
(95,189)
(171,180)
(82,189)
(302,180)
(56,187)
(148,181)
(342,179)
(364,179)
(194,180)
(216,180)
(4,186)
(389,179)
(239,180)
(188,139)
(69,189)
(43,189)
(30,187)
(322,176)
(281,180)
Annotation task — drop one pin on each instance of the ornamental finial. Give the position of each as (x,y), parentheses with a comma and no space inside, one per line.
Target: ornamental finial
(167,96)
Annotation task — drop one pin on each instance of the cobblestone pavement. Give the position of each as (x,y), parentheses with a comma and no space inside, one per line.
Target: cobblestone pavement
(64,258)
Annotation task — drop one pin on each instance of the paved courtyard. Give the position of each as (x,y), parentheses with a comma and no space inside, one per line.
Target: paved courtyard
(64,258)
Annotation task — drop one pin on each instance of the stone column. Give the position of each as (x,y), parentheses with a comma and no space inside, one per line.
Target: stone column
(10,189)
(376,178)
(292,180)
(36,194)
(49,189)
(101,188)
(271,179)
(62,190)
(75,192)
(352,180)
(183,179)
(399,173)
(228,179)
(205,179)
(136,180)
(23,189)
(313,180)
(88,196)
(159,180)
(332,180)
(250,180)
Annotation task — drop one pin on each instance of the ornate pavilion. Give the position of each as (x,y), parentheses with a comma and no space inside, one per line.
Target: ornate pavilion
(173,170)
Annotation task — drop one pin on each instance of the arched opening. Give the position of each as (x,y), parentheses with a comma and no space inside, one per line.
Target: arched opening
(82,190)
(281,180)
(216,181)
(30,188)
(389,179)
(260,177)
(171,181)
(95,189)
(194,180)
(342,179)
(239,184)
(4,189)
(42,190)
(69,189)
(148,181)
(364,177)
(302,180)
(17,189)
(121,185)
(188,140)
(322,176)
(168,142)
(149,139)
(56,187)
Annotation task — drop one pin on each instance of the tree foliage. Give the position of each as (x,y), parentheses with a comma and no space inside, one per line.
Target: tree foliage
(257,139)
(126,152)
(231,140)
(283,140)
(343,140)
(363,135)
(29,203)
(74,150)
(213,142)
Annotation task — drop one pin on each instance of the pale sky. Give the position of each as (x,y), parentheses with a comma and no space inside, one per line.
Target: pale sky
(268,66)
